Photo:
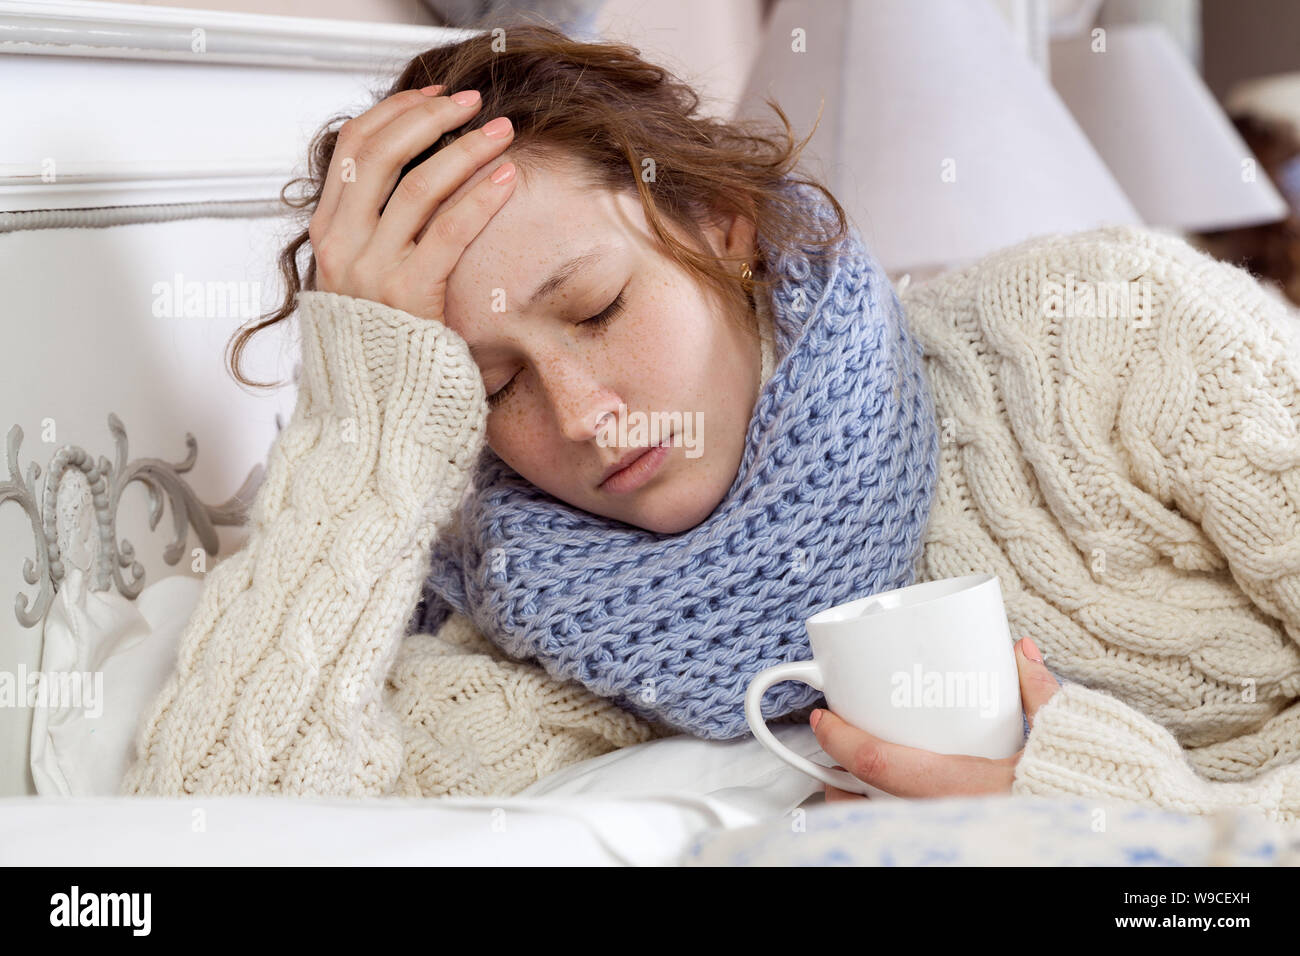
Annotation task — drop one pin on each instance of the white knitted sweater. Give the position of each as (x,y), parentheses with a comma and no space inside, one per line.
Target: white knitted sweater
(1135,483)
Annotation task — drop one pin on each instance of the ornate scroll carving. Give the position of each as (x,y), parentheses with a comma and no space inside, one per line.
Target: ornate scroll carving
(99,484)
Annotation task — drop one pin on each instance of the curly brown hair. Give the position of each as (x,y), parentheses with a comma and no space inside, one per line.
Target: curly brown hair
(632,124)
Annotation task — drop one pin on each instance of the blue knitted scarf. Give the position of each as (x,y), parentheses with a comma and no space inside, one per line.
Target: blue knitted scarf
(830,503)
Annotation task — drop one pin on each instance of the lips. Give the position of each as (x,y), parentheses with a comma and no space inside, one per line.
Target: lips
(629,457)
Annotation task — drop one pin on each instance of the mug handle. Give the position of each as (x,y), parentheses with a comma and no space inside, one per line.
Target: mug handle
(809,673)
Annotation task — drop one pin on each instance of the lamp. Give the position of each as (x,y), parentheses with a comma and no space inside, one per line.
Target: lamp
(1159,129)
(940,137)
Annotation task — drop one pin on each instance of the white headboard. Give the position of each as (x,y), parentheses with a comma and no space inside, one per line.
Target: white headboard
(144,151)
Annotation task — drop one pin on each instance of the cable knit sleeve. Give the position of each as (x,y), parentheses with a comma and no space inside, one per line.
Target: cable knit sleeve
(1208,420)
(279,681)
(476,721)
(1088,744)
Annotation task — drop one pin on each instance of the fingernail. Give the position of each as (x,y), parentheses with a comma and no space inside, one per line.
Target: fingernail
(465,98)
(503,173)
(1031,649)
(815,718)
(432,90)
(498,127)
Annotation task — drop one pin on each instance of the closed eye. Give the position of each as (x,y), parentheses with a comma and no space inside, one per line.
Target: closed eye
(607,314)
(597,321)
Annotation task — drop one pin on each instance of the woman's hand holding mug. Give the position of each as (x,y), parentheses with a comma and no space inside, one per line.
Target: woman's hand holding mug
(911,772)
(928,691)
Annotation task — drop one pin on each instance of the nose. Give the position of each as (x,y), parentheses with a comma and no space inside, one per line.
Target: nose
(579,400)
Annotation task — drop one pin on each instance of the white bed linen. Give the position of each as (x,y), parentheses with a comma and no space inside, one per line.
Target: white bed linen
(638,805)
(642,805)
(272,831)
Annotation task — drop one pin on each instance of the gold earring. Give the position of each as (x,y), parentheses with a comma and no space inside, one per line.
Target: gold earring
(746,276)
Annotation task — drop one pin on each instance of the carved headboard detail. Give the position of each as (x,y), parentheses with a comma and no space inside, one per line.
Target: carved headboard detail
(77,486)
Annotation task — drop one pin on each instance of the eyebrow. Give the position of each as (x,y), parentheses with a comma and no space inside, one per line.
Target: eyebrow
(565,272)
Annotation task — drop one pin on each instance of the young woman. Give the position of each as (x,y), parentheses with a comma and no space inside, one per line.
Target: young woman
(462,574)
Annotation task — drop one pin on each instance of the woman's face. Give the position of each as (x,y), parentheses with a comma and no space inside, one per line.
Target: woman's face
(569,401)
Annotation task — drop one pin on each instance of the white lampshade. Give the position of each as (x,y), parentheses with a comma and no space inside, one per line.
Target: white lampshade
(1159,129)
(939,136)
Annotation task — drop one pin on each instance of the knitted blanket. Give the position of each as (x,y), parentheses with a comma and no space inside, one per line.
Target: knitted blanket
(1134,480)
(826,506)
(1120,444)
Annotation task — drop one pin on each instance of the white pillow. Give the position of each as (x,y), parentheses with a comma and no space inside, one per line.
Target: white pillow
(105,658)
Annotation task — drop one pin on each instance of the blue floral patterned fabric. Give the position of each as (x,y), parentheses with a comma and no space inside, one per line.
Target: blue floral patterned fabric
(1000,831)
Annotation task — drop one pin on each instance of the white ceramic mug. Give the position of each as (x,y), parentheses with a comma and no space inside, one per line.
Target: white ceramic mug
(930,665)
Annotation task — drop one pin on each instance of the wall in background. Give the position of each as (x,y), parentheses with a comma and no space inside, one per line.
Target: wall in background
(1245,40)
(710,44)
(714,41)
(1181,18)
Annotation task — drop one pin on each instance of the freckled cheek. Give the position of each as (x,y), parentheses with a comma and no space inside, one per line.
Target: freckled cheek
(684,371)
(505,431)
(517,434)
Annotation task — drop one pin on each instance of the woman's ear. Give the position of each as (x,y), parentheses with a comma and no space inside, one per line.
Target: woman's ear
(731,235)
